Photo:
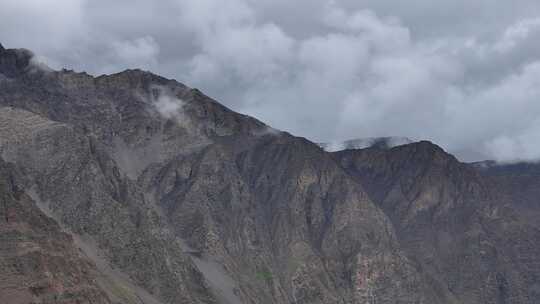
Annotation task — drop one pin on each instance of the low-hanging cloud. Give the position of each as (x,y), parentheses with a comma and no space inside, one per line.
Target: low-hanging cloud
(327,70)
(164,101)
(168,107)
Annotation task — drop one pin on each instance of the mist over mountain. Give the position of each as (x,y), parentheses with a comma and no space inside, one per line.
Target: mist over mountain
(135,188)
(466,155)
(362,143)
(462,74)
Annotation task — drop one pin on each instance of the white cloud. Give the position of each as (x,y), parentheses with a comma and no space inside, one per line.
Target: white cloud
(39,24)
(453,72)
(166,104)
(140,52)
(517,33)
(168,107)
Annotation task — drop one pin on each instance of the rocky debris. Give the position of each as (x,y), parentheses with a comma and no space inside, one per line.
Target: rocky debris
(84,189)
(39,263)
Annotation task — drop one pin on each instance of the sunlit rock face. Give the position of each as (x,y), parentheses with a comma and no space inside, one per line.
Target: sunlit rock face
(163,195)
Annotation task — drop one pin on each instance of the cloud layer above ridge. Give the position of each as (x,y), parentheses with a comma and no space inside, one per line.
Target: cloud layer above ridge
(464,74)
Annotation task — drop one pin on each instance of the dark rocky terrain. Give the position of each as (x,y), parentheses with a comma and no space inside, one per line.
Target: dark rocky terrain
(133,188)
(460,223)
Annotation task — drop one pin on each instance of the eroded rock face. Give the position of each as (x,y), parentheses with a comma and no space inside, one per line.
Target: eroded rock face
(39,262)
(287,221)
(177,199)
(463,224)
(73,177)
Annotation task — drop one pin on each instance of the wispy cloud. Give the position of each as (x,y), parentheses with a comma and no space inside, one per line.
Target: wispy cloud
(328,70)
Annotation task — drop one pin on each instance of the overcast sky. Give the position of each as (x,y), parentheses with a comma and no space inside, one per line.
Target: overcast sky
(462,73)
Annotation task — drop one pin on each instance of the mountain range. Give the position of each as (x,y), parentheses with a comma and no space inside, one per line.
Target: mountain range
(134,188)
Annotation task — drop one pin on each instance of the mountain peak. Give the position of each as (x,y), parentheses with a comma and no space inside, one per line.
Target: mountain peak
(14,62)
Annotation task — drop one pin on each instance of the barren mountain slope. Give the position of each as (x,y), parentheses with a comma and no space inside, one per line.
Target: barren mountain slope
(182,200)
(461,227)
(39,263)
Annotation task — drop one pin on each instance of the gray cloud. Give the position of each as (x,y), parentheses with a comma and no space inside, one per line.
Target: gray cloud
(464,74)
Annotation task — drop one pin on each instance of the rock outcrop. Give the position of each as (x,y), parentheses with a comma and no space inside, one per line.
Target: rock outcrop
(39,262)
(463,229)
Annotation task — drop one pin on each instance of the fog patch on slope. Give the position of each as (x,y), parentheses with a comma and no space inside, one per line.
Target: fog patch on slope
(267,130)
(164,101)
(168,106)
(38,64)
(363,143)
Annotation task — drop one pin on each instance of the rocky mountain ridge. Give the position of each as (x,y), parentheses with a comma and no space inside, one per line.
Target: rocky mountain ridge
(171,197)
